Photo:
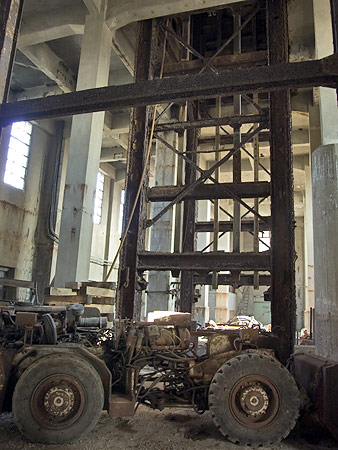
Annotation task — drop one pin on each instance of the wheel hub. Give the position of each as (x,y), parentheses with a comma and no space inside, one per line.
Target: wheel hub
(254,400)
(59,401)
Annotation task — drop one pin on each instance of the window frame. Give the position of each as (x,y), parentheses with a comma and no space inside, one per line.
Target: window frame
(18,153)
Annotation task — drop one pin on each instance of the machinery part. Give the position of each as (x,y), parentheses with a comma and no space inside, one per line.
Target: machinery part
(77,310)
(97,322)
(254,400)
(318,376)
(49,327)
(57,399)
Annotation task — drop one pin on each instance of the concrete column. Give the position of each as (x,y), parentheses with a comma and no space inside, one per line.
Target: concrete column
(201,308)
(84,156)
(299,273)
(325,220)
(308,249)
(325,199)
(161,239)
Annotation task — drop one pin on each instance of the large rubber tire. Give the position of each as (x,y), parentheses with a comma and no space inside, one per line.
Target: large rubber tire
(254,400)
(57,399)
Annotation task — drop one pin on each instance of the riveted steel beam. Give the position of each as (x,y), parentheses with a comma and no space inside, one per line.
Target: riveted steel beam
(205,262)
(303,74)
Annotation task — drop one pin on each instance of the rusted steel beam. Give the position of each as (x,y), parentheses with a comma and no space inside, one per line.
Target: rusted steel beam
(258,58)
(214,191)
(266,78)
(334,15)
(228,280)
(138,140)
(227,225)
(283,303)
(232,121)
(219,261)
(10,19)
(189,216)
(264,136)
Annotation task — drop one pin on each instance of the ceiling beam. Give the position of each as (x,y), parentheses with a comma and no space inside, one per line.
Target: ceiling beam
(93,6)
(51,65)
(113,154)
(120,14)
(322,72)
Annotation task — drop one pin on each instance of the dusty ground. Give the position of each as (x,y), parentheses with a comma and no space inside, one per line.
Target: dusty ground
(168,430)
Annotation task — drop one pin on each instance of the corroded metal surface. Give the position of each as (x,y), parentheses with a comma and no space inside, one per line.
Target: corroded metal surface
(267,78)
(138,141)
(283,304)
(204,261)
(206,191)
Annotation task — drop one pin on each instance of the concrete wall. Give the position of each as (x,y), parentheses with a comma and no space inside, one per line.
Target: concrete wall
(19,209)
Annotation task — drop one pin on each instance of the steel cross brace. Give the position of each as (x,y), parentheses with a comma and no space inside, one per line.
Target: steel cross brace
(205,175)
(232,37)
(235,197)
(187,46)
(182,155)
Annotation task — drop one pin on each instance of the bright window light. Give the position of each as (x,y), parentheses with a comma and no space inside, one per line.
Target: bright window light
(121,212)
(264,241)
(98,198)
(17,156)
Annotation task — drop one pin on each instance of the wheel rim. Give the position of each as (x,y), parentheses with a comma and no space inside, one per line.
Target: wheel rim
(58,401)
(254,401)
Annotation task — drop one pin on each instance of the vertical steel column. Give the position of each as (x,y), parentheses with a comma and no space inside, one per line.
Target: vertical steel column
(334,14)
(128,307)
(216,201)
(283,303)
(256,200)
(237,158)
(10,19)
(179,182)
(189,217)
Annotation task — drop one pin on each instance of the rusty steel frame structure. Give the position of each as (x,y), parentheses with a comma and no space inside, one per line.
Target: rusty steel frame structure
(271,78)
(276,78)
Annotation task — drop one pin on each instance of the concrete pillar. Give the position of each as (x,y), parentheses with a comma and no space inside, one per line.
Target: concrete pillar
(161,239)
(299,273)
(201,308)
(325,220)
(222,301)
(308,249)
(84,156)
(325,199)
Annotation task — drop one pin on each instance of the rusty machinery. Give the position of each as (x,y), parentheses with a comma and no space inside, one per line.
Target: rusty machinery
(61,366)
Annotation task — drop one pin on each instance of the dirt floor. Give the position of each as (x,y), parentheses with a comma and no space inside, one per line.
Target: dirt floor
(174,429)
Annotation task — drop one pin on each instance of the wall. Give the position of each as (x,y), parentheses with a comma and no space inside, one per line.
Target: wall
(19,209)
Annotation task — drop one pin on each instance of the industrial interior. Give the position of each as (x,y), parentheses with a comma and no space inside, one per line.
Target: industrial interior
(168,220)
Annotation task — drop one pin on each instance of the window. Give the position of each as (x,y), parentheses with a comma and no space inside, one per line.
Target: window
(121,212)
(98,198)
(264,241)
(17,156)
